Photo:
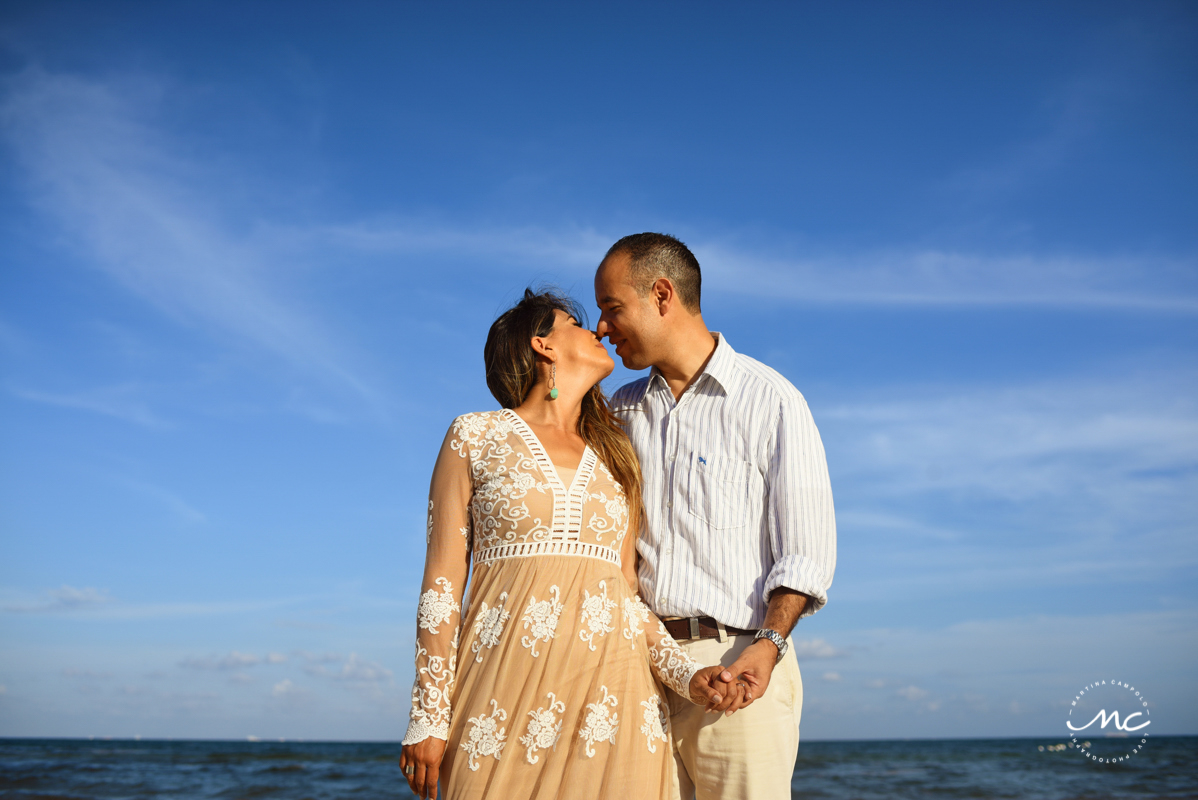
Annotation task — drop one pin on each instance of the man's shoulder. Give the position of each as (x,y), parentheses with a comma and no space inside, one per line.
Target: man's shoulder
(629,395)
(763,380)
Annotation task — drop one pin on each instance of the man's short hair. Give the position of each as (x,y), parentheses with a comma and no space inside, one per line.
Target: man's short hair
(659,255)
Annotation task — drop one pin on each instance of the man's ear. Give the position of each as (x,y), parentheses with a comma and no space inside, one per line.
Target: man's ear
(662,294)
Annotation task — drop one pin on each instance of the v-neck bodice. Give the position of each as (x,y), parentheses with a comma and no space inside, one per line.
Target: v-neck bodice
(520,504)
(586,465)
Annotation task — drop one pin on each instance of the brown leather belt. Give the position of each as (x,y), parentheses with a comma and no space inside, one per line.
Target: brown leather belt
(700,628)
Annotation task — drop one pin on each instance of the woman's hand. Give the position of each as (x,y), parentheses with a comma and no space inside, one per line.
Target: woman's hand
(423,761)
(710,690)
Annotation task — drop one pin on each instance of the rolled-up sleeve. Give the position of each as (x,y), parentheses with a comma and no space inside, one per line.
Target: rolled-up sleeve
(800,517)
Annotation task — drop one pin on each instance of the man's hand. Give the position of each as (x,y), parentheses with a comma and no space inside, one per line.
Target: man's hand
(714,694)
(753,669)
(757,661)
(425,758)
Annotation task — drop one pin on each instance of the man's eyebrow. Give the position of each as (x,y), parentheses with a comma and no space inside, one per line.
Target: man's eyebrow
(608,299)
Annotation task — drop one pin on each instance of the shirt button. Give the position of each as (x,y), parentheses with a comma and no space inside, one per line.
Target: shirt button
(671,458)
(669,504)
(669,550)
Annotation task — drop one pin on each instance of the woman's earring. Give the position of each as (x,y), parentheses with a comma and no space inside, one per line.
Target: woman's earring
(553,381)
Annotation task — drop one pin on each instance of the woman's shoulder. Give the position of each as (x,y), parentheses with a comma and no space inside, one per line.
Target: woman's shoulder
(480,424)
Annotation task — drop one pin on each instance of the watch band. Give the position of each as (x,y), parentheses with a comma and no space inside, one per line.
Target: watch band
(776,638)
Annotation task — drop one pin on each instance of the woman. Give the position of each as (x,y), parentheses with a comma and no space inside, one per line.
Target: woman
(543,684)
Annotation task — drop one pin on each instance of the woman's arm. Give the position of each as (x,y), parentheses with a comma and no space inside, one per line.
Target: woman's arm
(438,617)
(672,665)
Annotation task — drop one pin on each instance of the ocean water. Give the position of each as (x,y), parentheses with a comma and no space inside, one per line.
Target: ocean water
(74,769)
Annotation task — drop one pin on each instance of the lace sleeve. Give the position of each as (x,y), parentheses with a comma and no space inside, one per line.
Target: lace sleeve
(439,614)
(672,665)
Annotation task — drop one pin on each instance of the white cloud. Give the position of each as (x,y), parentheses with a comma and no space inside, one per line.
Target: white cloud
(1021,441)
(937,477)
(912,693)
(150,219)
(65,598)
(285,688)
(831,676)
(816,648)
(939,278)
(353,670)
(172,501)
(120,402)
(894,277)
(232,661)
(74,672)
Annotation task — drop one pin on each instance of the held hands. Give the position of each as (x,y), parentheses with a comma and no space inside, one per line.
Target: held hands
(421,765)
(716,694)
(753,669)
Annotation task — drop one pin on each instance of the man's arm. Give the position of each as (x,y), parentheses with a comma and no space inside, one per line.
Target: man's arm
(756,662)
(801,526)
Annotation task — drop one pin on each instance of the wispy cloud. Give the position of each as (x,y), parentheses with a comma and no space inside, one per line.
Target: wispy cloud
(928,277)
(816,648)
(1071,114)
(353,670)
(894,276)
(150,218)
(63,599)
(984,487)
(120,402)
(233,661)
(165,497)
(912,693)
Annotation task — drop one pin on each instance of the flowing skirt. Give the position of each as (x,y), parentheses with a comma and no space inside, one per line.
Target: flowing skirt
(554,696)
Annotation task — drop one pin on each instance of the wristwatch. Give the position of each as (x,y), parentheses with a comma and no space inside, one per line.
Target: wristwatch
(776,638)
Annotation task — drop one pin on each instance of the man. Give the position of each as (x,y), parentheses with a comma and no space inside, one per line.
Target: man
(740,534)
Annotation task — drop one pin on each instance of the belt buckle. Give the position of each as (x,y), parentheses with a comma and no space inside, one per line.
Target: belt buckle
(694,625)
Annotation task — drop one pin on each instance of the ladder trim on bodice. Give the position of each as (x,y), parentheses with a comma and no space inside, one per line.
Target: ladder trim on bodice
(567,503)
(547,547)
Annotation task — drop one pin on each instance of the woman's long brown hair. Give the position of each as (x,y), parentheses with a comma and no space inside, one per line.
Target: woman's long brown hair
(512,373)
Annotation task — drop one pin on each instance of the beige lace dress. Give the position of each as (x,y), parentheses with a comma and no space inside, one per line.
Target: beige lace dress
(545,682)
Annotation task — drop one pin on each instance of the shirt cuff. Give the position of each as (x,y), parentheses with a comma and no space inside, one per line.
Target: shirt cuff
(802,575)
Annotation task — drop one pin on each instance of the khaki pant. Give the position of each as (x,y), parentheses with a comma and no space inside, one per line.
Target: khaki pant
(749,755)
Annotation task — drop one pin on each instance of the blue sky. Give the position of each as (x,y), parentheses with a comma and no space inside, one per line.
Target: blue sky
(250,255)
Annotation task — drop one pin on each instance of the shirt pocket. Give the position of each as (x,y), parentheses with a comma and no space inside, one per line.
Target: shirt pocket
(718,491)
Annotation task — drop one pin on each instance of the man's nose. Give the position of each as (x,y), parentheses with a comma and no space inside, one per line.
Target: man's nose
(601,328)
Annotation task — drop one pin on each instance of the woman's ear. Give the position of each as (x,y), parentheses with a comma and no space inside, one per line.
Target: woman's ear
(542,347)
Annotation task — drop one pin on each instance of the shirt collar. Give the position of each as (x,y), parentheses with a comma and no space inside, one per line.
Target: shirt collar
(721,368)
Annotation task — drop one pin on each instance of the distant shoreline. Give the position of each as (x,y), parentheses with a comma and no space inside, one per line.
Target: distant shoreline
(396,742)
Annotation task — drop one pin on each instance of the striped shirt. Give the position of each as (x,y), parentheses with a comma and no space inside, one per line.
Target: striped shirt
(737,497)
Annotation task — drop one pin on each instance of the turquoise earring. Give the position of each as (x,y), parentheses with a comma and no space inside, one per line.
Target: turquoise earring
(553,382)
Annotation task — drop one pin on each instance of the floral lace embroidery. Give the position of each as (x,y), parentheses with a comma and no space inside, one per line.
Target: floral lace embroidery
(486,737)
(596,615)
(541,618)
(428,536)
(616,518)
(636,614)
(430,694)
(601,725)
(488,626)
(436,607)
(544,729)
(657,722)
(500,484)
(673,665)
